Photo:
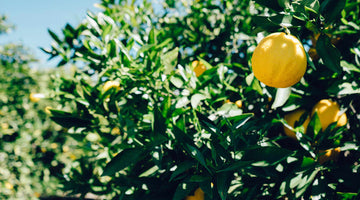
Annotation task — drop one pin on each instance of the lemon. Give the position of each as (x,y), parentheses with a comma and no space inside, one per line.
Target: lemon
(111,84)
(329,154)
(198,67)
(279,60)
(36,97)
(291,119)
(9,186)
(329,112)
(47,109)
(198,195)
(238,103)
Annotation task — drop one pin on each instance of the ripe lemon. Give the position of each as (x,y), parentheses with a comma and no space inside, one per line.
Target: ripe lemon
(329,112)
(111,84)
(329,154)
(36,97)
(291,119)
(238,103)
(279,60)
(198,195)
(199,67)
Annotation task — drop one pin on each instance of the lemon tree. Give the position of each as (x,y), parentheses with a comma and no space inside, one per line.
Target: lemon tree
(144,124)
(30,143)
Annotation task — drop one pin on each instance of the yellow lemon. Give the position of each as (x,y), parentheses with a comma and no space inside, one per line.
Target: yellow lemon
(329,154)
(329,112)
(111,84)
(36,97)
(48,109)
(198,195)
(291,119)
(199,67)
(238,103)
(9,186)
(279,60)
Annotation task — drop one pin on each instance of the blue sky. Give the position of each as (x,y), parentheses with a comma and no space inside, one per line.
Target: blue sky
(33,18)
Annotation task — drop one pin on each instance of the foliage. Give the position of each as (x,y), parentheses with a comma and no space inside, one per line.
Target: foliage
(30,143)
(161,132)
(166,132)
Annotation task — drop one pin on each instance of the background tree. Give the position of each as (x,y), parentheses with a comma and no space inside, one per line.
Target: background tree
(32,147)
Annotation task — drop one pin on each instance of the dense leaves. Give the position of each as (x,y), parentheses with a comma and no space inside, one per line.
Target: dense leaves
(162,131)
(178,132)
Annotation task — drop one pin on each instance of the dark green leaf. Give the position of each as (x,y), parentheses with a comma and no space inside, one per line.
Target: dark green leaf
(69,122)
(184,189)
(194,152)
(159,125)
(237,165)
(314,126)
(265,156)
(273,4)
(207,123)
(55,37)
(122,160)
(181,168)
(331,9)
(223,181)
(328,53)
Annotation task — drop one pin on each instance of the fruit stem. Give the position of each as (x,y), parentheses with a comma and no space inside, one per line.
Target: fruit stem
(287,31)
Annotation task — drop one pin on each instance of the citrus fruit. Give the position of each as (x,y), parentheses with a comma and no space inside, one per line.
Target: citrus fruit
(291,119)
(198,195)
(199,67)
(36,97)
(329,154)
(279,60)
(47,109)
(111,84)
(313,54)
(238,103)
(329,112)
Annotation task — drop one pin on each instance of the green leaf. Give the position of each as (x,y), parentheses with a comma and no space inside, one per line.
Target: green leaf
(300,182)
(254,83)
(282,95)
(122,160)
(70,121)
(303,6)
(196,99)
(55,37)
(177,81)
(194,152)
(343,88)
(331,9)
(184,189)
(169,60)
(266,156)
(304,180)
(314,126)
(181,168)
(273,4)
(159,124)
(328,53)
(241,120)
(223,181)
(207,124)
(237,165)
(349,67)
(181,136)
